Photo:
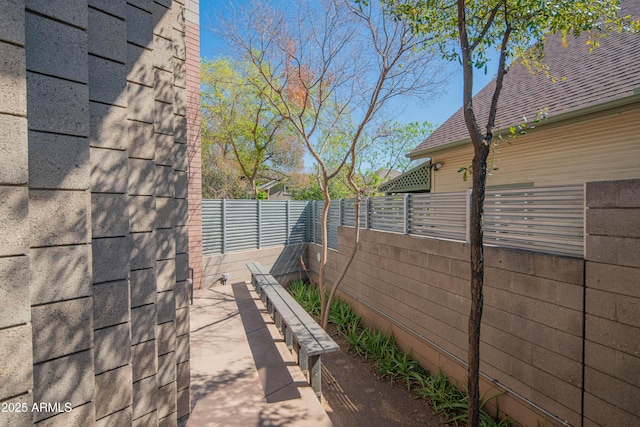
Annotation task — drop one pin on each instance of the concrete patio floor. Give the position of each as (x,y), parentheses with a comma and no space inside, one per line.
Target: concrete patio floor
(242,373)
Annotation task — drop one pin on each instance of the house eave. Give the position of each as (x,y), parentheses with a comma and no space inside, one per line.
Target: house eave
(620,104)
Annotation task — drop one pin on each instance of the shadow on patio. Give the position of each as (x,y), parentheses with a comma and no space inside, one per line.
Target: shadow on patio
(242,373)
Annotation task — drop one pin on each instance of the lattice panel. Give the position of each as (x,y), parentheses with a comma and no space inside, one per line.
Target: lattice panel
(414,180)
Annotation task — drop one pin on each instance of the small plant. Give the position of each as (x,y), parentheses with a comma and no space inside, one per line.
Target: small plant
(393,363)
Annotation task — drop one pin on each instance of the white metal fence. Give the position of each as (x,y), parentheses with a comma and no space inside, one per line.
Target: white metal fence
(541,219)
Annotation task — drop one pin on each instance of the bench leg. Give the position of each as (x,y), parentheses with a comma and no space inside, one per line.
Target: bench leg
(315,374)
(288,339)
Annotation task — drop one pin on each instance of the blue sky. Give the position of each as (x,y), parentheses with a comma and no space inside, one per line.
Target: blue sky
(436,111)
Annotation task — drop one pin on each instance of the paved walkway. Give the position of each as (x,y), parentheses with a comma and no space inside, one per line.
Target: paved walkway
(242,373)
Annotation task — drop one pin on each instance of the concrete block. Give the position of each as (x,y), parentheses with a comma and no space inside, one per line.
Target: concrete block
(165,3)
(13,82)
(12,22)
(71,11)
(179,45)
(598,413)
(184,403)
(77,417)
(613,250)
(180,102)
(60,273)
(181,185)
(113,391)
(164,150)
(111,304)
(141,140)
(162,53)
(180,128)
(182,267)
(70,209)
(14,291)
(143,287)
(165,212)
(139,26)
(166,274)
(115,8)
(613,278)
(144,360)
(143,323)
(148,420)
(57,106)
(167,402)
(177,17)
(183,372)
(613,194)
(163,86)
(67,379)
(142,177)
(166,244)
(166,339)
(14,418)
(182,290)
(614,222)
(165,181)
(142,4)
(142,213)
(17,363)
(182,348)
(166,307)
(61,328)
(179,73)
(108,126)
(143,249)
(145,396)
(55,48)
(14,150)
(181,212)
(120,418)
(163,118)
(107,81)
(112,347)
(139,65)
(108,34)
(58,161)
(140,103)
(162,24)
(182,321)
(167,369)
(618,336)
(170,420)
(109,215)
(612,390)
(14,227)
(181,234)
(110,258)
(108,171)
(180,159)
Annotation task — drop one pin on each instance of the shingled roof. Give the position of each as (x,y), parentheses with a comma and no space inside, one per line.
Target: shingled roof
(611,72)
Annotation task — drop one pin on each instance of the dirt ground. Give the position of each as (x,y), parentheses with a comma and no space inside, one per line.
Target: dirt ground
(354,395)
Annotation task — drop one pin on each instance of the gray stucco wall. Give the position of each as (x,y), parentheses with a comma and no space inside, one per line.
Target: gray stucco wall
(93,212)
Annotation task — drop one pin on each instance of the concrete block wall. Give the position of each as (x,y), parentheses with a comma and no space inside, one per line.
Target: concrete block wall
(93,211)
(418,289)
(612,329)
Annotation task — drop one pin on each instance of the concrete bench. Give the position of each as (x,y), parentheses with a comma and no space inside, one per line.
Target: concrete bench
(306,340)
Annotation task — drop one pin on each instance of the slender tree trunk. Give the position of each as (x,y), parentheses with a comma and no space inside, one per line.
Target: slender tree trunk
(477,281)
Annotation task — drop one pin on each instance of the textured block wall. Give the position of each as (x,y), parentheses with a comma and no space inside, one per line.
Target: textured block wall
(93,212)
(418,289)
(612,347)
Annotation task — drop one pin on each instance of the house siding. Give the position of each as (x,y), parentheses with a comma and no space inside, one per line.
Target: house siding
(592,149)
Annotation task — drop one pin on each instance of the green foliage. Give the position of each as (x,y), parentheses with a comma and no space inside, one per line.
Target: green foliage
(391,362)
(241,130)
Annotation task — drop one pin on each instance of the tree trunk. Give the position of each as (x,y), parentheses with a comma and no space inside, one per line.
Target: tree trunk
(477,281)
